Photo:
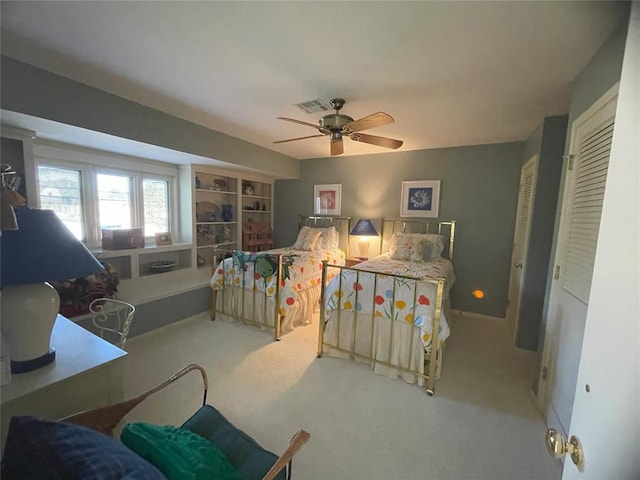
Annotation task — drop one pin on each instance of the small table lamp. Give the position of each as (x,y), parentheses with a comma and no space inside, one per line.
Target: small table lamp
(41,249)
(364,229)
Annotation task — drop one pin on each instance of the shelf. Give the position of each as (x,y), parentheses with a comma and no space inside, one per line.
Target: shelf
(182,258)
(216,245)
(258,197)
(216,223)
(223,192)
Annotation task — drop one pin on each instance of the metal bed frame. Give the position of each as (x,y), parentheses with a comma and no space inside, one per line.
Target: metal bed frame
(433,360)
(226,300)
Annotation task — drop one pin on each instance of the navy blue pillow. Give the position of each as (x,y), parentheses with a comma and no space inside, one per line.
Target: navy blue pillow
(44,449)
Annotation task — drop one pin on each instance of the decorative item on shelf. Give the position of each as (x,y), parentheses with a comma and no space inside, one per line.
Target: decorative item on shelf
(201,261)
(41,250)
(198,184)
(227,214)
(225,233)
(163,238)
(264,207)
(365,230)
(248,188)
(219,184)
(76,294)
(204,236)
(161,266)
(207,212)
(122,238)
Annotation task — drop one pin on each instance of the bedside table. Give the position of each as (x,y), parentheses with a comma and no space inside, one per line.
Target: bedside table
(352,261)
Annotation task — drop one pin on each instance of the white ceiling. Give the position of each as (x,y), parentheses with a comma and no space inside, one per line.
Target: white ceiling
(450,73)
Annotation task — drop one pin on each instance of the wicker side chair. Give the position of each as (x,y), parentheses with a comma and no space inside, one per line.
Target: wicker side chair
(113,319)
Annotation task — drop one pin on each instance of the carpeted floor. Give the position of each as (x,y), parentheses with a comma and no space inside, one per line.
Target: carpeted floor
(481,423)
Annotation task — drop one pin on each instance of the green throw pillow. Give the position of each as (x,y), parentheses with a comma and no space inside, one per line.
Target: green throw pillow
(178,453)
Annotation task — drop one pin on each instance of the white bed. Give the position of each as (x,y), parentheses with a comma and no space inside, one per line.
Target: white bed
(390,310)
(286,295)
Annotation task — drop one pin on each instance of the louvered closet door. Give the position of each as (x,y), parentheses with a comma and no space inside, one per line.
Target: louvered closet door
(591,176)
(528,175)
(577,240)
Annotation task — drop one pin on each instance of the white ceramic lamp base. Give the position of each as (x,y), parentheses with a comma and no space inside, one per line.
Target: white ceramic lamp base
(363,247)
(28,315)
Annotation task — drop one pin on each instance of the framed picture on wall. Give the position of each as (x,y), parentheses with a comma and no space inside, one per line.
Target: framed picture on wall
(420,198)
(327,199)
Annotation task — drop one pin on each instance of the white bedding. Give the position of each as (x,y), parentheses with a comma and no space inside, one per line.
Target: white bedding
(392,297)
(299,292)
(388,328)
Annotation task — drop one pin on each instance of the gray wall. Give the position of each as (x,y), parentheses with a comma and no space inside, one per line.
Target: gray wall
(33,91)
(166,311)
(548,143)
(479,189)
(599,75)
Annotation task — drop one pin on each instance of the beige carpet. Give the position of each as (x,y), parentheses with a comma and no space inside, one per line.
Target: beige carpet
(481,424)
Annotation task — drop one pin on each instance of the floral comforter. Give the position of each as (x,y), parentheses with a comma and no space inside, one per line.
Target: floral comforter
(304,270)
(393,297)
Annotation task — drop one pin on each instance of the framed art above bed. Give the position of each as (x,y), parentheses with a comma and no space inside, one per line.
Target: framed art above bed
(420,198)
(327,199)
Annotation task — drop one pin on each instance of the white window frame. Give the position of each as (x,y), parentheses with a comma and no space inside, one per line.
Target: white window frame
(90,163)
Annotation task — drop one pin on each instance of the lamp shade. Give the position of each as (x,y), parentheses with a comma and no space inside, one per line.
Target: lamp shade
(364,228)
(41,249)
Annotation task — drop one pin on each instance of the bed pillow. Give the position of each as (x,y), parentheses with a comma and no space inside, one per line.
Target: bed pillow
(328,239)
(178,453)
(416,247)
(433,246)
(307,238)
(45,449)
(403,246)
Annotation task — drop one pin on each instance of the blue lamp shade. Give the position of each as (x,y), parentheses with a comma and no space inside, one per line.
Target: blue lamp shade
(41,249)
(364,228)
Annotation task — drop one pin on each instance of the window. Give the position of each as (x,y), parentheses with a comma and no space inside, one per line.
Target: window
(114,201)
(60,190)
(156,206)
(88,198)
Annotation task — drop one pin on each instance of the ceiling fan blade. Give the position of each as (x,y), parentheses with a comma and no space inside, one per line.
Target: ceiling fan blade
(375,140)
(337,147)
(370,121)
(293,120)
(299,138)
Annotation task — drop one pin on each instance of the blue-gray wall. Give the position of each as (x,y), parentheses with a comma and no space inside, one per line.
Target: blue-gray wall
(547,142)
(479,189)
(166,311)
(599,75)
(33,91)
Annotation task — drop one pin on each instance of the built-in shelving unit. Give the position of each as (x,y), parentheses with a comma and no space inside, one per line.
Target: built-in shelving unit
(139,262)
(216,213)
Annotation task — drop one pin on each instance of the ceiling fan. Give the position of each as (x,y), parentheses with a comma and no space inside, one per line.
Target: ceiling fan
(337,125)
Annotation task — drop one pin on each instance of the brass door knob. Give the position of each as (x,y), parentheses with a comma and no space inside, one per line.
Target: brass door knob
(558,446)
(518,265)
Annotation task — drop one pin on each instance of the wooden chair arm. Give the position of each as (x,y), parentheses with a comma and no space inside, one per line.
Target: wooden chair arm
(105,419)
(295,445)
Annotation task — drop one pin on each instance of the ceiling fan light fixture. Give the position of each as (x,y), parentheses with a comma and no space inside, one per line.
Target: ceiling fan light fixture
(337,125)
